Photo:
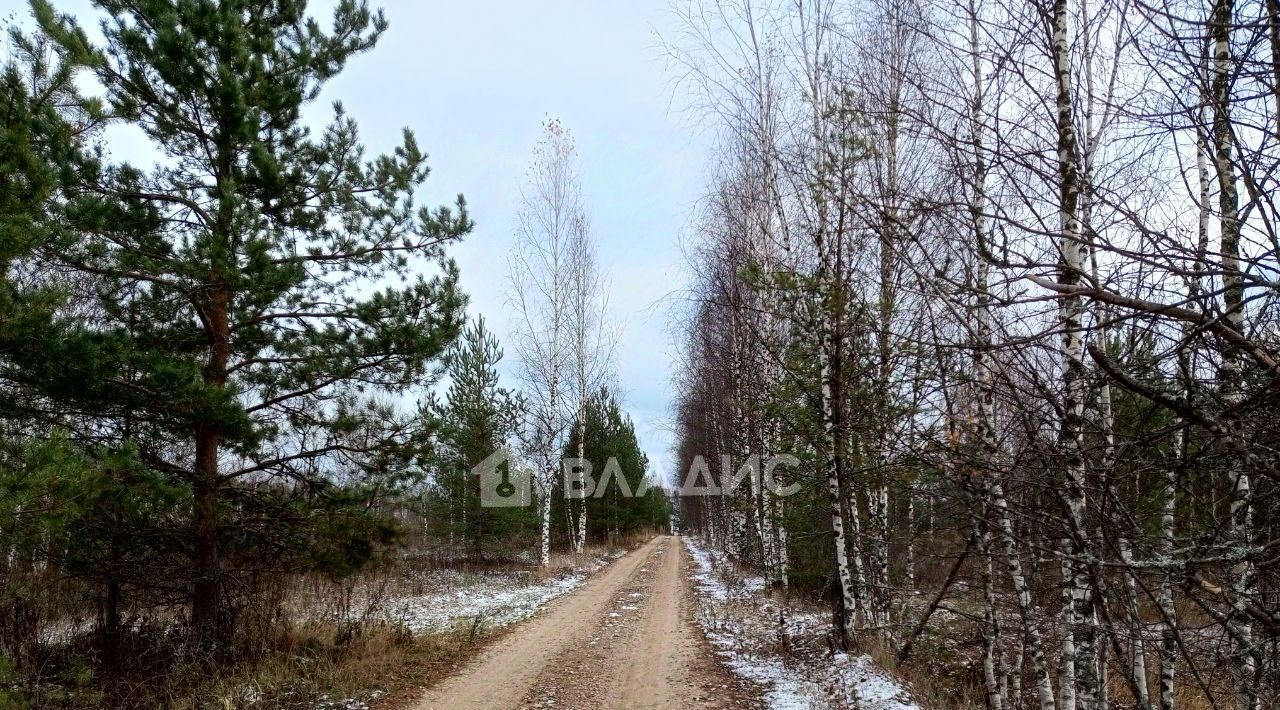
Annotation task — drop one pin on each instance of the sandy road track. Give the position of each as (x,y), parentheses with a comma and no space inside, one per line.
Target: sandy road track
(622,640)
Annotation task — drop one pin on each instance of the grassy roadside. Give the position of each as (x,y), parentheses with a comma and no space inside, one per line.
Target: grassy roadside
(321,665)
(307,666)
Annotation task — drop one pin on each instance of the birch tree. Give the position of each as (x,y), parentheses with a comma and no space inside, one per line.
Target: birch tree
(592,347)
(1077,196)
(541,274)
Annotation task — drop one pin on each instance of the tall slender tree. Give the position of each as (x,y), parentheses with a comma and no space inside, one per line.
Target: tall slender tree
(592,347)
(542,296)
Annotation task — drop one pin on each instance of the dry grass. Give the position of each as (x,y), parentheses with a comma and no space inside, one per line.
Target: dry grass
(337,647)
(300,668)
(936,682)
(944,670)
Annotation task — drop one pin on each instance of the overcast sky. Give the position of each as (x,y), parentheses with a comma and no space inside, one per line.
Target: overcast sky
(474,80)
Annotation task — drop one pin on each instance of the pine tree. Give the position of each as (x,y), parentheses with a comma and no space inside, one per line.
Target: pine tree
(240,310)
(619,466)
(476,418)
(40,157)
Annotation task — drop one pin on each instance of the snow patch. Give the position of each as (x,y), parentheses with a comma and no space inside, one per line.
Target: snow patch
(491,600)
(746,626)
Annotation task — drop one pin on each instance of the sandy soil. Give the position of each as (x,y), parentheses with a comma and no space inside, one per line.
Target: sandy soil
(625,639)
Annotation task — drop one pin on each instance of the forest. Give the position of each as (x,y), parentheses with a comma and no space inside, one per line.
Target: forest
(1004,275)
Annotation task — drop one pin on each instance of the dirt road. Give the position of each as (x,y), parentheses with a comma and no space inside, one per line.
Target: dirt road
(624,639)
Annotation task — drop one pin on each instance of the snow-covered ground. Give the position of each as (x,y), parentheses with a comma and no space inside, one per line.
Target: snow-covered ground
(441,600)
(750,630)
(496,598)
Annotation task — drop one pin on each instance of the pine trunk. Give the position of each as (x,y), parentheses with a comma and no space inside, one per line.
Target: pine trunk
(206,591)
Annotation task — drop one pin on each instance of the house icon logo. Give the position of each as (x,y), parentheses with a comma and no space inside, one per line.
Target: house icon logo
(505,481)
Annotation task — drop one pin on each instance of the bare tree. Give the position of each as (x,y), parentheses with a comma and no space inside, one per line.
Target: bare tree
(1077,195)
(542,277)
(592,347)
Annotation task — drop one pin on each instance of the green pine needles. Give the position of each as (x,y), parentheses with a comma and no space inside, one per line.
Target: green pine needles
(240,314)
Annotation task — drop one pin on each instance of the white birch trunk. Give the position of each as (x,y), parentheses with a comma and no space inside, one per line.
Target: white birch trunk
(1240,521)
(544,555)
(1168,612)
(580,540)
(780,529)
(1079,645)
(1032,638)
(990,627)
(855,539)
(832,463)
(984,403)
(911,540)
(1015,674)
(1068,622)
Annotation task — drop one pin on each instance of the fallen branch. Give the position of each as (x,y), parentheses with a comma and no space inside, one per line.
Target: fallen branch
(937,601)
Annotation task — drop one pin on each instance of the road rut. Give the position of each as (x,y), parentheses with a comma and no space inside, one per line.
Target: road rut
(624,639)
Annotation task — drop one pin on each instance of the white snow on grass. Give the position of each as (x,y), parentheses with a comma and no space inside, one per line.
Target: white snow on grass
(448,599)
(493,599)
(324,702)
(747,627)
